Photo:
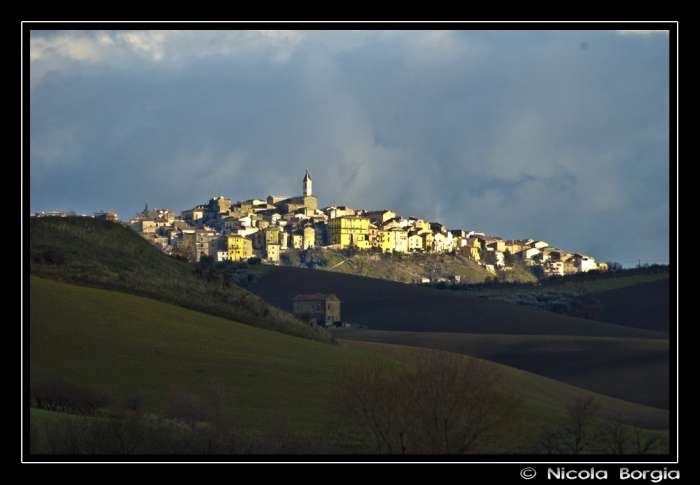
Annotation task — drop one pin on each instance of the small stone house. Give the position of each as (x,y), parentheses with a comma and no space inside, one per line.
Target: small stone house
(324,309)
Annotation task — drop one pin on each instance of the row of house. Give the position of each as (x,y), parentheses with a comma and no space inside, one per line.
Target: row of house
(268,227)
(108,216)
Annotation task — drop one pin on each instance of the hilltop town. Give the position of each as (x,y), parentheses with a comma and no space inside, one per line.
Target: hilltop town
(267,228)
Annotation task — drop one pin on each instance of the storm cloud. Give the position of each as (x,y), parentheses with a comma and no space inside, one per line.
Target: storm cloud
(561,136)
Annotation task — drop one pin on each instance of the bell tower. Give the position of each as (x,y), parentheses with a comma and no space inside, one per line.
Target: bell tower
(307,185)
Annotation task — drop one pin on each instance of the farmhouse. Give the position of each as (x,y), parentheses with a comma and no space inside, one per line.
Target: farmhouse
(323,309)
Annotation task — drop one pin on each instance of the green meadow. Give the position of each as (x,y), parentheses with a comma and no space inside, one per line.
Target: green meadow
(573,286)
(124,345)
(107,255)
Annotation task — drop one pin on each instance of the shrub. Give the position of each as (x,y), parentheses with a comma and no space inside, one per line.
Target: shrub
(61,396)
(313,258)
(52,255)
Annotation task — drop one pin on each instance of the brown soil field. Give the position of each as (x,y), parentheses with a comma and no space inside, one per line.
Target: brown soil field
(387,305)
(646,305)
(634,370)
(540,389)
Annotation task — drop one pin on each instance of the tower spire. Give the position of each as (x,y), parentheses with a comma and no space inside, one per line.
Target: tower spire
(307,185)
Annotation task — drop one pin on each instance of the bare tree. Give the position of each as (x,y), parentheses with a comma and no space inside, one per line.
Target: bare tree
(550,440)
(614,437)
(578,435)
(461,411)
(376,402)
(646,442)
(134,403)
(443,403)
(183,252)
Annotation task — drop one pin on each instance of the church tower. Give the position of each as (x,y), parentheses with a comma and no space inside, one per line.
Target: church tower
(307,185)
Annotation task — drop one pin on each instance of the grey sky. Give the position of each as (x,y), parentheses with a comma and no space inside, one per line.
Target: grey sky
(512,133)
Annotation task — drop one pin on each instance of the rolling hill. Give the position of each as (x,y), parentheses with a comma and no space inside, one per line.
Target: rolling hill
(615,360)
(631,369)
(125,345)
(646,305)
(108,310)
(392,306)
(107,255)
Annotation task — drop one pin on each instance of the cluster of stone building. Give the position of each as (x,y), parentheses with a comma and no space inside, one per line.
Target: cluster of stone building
(266,228)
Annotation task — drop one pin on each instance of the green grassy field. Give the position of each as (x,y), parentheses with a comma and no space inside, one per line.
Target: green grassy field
(125,345)
(106,255)
(611,284)
(573,286)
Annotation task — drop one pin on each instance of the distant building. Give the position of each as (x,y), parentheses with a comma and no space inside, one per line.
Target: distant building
(554,267)
(323,309)
(379,217)
(142,224)
(239,248)
(584,263)
(273,252)
(349,231)
(107,216)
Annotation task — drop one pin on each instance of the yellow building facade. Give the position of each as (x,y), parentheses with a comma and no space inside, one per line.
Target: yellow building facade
(393,239)
(269,235)
(239,248)
(349,231)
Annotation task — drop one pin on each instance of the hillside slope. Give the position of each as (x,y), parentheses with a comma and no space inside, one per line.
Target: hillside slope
(544,391)
(631,369)
(387,305)
(107,255)
(126,345)
(401,267)
(646,305)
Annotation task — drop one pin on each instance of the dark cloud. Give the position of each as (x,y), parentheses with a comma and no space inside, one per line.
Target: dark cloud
(517,134)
